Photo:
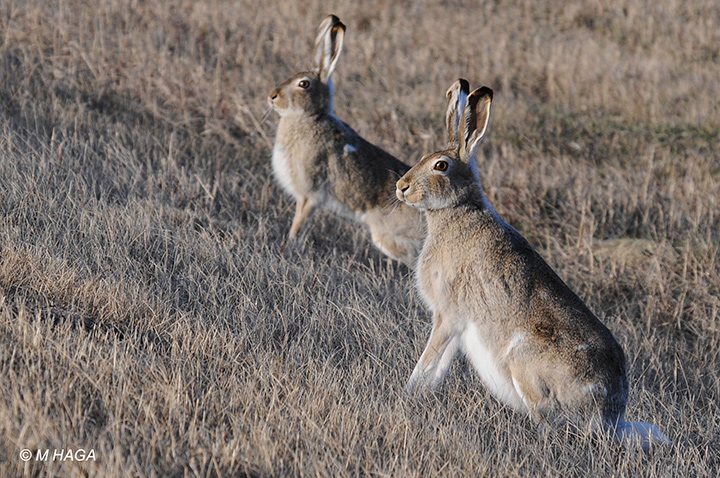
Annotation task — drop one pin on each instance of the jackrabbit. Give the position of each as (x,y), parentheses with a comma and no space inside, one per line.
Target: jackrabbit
(321,161)
(534,343)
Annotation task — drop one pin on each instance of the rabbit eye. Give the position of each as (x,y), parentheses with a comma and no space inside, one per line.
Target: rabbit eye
(303,84)
(441,166)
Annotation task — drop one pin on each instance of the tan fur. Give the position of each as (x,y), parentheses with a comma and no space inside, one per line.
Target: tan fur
(323,162)
(536,345)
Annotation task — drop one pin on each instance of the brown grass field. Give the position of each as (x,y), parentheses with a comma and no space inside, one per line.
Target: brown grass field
(152,310)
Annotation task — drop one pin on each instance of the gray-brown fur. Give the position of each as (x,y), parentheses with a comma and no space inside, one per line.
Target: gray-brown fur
(536,345)
(323,162)
(330,168)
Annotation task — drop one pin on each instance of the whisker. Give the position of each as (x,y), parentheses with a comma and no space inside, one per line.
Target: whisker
(398,175)
(392,202)
(265,116)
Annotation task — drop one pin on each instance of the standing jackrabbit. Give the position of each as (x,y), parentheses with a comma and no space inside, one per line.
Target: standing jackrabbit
(534,343)
(322,162)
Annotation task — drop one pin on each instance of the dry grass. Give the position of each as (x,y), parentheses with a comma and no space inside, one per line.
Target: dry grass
(151,310)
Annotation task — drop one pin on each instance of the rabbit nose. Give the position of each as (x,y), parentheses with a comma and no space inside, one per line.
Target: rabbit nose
(400,188)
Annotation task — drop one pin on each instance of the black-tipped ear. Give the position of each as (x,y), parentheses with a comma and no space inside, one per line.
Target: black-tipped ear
(328,46)
(456,96)
(474,122)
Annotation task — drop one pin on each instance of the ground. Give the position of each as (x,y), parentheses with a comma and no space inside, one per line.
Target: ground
(153,311)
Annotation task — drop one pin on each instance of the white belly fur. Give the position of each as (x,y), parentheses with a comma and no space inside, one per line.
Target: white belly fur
(292,180)
(282,170)
(483,360)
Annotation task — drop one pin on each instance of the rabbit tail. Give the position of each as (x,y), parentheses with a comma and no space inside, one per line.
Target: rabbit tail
(645,434)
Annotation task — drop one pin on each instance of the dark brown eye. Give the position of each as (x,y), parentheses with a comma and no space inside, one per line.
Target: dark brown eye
(441,165)
(303,84)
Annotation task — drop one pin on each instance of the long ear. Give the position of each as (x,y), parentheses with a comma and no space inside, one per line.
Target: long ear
(457,96)
(328,46)
(328,22)
(474,122)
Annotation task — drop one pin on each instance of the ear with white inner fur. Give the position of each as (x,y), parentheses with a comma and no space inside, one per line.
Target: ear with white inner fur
(328,47)
(474,122)
(457,96)
(329,21)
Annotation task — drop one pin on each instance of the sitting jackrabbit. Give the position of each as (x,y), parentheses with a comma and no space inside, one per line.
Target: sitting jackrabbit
(534,343)
(321,161)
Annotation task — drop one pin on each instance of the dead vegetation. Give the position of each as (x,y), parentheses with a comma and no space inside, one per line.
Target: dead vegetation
(150,308)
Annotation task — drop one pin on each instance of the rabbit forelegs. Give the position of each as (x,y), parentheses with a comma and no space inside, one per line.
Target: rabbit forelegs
(437,357)
(303,207)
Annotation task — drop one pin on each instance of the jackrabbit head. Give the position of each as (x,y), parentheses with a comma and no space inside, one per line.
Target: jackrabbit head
(312,91)
(445,178)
